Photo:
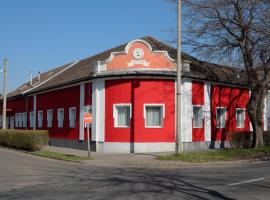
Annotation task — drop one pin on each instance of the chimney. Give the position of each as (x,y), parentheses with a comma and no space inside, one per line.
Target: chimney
(31,78)
(38,76)
(186,66)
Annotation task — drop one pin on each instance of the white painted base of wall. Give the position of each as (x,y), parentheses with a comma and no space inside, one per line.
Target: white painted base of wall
(125,147)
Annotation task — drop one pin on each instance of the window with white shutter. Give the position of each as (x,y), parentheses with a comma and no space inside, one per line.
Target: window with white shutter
(60,117)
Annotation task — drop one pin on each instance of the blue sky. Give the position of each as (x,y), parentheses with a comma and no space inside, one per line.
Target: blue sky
(37,35)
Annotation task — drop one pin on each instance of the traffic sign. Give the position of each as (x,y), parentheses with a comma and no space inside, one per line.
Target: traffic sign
(87,118)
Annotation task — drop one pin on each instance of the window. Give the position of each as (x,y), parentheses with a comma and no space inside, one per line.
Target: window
(72,117)
(88,109)
(221,117)
(154,115)
(40,119)
(122,115)
(24,119)
(60,117)
(31,117)
(49,118)
(12,122)
(198,117)
(7,122)
(20,120)
(1,120)
(16,120)
(240,118)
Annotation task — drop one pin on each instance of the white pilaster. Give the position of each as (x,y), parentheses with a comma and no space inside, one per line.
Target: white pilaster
(98,110)
(207,111)
(265,114)
(35,112)
(186,112)
(81,133)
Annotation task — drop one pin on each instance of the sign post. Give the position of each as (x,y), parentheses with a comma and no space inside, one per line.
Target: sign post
(88,121)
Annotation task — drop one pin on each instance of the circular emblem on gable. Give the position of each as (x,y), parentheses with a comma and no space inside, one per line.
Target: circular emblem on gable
(138,53)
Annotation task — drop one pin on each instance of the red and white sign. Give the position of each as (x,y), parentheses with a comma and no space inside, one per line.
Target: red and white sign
(87,118)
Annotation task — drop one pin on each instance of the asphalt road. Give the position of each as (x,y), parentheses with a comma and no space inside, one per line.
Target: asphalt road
(24,176)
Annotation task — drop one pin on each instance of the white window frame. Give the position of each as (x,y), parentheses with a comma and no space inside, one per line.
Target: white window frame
(24,123)
(40,121)
(12,122)
(31,119)
(115,113)
(7,122)
(243,109)
(198,106)
(162,114)
(49,125)
(225,117)
(58,121)
(20,120)
(69,111)
(16,120)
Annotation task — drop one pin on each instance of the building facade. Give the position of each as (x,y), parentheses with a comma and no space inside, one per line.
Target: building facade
(130,91)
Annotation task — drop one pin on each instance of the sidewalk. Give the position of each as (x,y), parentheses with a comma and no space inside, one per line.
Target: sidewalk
(121,159)
(140,160)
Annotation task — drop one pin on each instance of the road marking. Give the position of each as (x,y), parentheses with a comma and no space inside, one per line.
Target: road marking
(248,181)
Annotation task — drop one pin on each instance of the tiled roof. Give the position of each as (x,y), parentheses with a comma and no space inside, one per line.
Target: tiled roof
(43,77)
(84,69)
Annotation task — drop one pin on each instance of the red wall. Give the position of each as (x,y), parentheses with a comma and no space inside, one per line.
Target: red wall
(197,99)
(64,98)
(231,98)
(17,106)
(138,93)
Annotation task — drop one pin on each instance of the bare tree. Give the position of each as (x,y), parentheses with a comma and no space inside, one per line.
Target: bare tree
(238,30)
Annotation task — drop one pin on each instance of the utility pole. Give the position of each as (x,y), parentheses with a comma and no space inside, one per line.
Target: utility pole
(178,139)
(4,95)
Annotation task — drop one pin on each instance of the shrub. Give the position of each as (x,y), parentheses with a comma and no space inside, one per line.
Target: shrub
(240,139)
(266,138)
(244,139)
(29,140)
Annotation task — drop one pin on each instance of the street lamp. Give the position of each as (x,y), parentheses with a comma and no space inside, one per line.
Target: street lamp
(178,139)
(4,71)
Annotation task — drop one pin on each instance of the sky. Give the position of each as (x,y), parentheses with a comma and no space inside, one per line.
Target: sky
(38,35)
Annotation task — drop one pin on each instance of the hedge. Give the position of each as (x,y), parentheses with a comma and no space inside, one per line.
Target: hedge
(29,140)
(244,139)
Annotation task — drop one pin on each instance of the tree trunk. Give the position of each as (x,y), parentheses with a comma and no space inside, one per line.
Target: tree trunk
(255,109)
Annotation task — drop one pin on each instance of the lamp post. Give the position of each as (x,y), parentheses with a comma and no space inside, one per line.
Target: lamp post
(4,94)
(178,139)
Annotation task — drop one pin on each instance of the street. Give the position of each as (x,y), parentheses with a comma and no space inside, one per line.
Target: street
(24,176)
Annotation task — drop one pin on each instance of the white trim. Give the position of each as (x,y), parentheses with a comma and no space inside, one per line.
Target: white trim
(45,81)
(186,110)
(207,111)
(35,112)
(59,109)
(115,113)
(49,110)
(98,110)
(265,114)
(82,97)
(162,113)
(138,147)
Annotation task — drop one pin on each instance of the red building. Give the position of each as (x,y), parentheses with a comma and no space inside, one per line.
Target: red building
(130,90)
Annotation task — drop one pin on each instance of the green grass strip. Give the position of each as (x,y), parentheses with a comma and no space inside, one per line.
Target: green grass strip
(218,155)
(60,156)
